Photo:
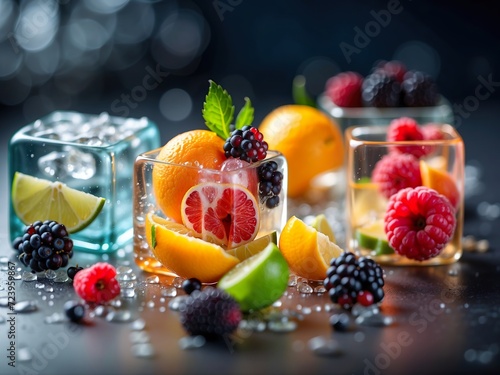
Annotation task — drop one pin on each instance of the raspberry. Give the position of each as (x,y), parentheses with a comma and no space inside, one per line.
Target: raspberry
(419,90)
(406,129)
(350,280)
(431,132)
(210,312)
(419,222)
(395,172)
(247,144)
(97,283)
(394,68)
(270,183)
(344,89)
(44,245)
(380,89)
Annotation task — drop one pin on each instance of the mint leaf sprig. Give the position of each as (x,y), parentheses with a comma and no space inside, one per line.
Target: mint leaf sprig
(218,111)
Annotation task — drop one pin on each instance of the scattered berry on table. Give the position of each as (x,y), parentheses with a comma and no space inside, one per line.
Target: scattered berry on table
(97,283)
(74,311)
(247,144)
(190,285)
(73,270)
(406,129)
(349,279)
(395,172)
(44,245)
(394,68)
(210,312)
(344,89)
(380,90)
(419,90)
(419,222)
(270,183)
(340,322)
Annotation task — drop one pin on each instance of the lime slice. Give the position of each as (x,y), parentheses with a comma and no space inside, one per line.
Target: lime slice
(38,199)
(258,281)
(256,246)
(321,225)
(373,237)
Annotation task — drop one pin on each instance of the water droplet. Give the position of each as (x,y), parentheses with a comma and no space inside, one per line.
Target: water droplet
(39,286)
(61,276)
(17,276)
(50,274)
(277,303)
(304,288)
(252,325)
(360,310)
(116,303)
(119,316)
(316,308)
(319,289)
(139,337)
(24,355)
(55,318)
(128,293)
(153,279)
(4,260)
(127,284)
(375,320)
(177,282)
(123,270)
(2,320)
(283,325)
(151,304)
(359,337)
(49,289)
(175,303)
(169,291)
(25,306)
(100,311)
(453,272)
(28,276)
(191,342)
(324,346)
(123,277)
(306,310)
(138,325)
(143,350)
(292,280)
(4,302)
(329,307)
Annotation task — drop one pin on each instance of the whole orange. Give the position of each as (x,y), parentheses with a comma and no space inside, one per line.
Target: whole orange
(183,156)
(311,142)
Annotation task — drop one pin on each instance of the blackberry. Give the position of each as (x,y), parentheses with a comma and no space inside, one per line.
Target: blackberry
(72,271)
(44,245)
(270,183)
(350,280)
(380,89)
(210,312)
(340,322)
(74,311)
(419,90)
(247,144)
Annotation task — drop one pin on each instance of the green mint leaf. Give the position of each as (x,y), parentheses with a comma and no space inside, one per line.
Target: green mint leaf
(218,110)
(245,116)
(299,92)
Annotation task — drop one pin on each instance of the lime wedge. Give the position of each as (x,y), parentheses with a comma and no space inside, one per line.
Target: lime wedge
(251,248)
(321,225)
(38,199)
(258,281)
(372,236)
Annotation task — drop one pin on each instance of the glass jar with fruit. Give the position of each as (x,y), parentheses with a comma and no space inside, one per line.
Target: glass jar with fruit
(405,192)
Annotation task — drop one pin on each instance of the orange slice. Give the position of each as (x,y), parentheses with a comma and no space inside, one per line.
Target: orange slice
(440,181)
(307,251)
(225,214)
(180,250)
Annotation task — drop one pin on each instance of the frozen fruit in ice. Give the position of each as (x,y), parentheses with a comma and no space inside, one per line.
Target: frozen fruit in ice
(395,172)
(419,222)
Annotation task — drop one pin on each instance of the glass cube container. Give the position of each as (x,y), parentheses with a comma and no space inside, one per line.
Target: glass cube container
(93,154)
(441,167)
(270,219)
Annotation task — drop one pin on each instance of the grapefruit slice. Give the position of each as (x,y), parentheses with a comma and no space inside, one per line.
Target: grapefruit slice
(225,214)
(440,181)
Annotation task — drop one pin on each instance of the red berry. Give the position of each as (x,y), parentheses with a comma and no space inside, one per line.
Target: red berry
(344,89)
(406,129)
(97,283)
(365,298)
(393,68)
(395,172)
(431,132)
(419,222)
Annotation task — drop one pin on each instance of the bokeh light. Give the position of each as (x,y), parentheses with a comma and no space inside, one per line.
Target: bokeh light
(176,104)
